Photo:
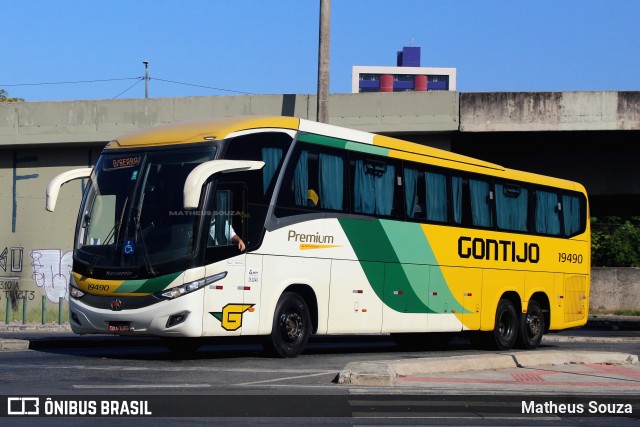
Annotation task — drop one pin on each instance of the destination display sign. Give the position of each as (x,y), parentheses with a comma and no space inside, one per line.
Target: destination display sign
(122,162)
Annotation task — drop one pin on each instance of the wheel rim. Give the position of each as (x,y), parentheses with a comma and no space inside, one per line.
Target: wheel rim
(291,325)
(534,325)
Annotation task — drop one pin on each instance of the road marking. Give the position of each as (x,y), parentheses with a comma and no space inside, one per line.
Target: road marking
(288,378)
(104,386)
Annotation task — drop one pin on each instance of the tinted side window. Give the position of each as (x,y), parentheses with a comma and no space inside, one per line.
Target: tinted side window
(547,214)
(512,204)
(269,147)
(314,180)
(426,194)
(574,214)
(480,201)
(375,186)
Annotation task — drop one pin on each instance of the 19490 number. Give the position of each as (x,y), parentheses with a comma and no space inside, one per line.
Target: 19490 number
(572,258)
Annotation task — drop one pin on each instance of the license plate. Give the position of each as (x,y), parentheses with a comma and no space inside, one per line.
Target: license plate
(119,327)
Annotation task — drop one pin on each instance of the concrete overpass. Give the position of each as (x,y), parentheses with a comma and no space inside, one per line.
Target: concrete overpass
(586,136)
(591,137)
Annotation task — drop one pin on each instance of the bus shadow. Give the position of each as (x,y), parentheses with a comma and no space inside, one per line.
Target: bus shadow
(152,349)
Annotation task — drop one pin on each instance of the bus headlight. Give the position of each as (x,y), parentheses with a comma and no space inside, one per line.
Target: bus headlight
(75,292)
(187,288)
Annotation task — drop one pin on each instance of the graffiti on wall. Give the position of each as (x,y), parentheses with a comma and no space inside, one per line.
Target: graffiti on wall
(11,262)
(51,272)
(11,259)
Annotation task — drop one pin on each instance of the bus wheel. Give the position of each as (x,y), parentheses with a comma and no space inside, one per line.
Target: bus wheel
(291,327)
(531,327)
(505,330)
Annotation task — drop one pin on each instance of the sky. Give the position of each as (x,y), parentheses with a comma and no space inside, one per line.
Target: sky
(229,47)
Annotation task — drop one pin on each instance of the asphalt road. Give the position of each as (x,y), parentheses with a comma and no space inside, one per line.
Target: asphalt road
(237,380)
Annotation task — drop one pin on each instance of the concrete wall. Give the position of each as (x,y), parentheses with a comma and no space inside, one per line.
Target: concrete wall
(47,123)
(614,289)
(549,111)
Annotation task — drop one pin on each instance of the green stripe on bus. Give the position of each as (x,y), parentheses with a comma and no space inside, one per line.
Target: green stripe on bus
(373,248)
(323,140)
(413,248)
(411,271)
(344,144)
(368,149)
(146,286)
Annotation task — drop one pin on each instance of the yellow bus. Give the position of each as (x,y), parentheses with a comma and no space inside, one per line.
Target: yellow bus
(282,227)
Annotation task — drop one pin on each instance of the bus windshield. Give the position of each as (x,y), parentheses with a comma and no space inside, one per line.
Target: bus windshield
(132,214)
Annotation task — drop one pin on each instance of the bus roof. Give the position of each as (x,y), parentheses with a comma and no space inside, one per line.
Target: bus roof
(198,130)
(220,128)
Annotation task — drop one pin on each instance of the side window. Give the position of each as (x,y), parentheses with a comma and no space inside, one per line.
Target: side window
(573,213)
(221,228)
(547,213)
(512,202)
(436,198)
(456,197)
(227,219)
(330,181)
(480,201)
(269,147)
(374,186)
(426,194)
(414,193)
(314,180)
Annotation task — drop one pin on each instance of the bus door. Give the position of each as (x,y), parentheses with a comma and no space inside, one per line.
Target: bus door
(224,301)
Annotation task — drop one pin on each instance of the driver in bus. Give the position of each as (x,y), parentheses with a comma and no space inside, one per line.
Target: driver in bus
(229,232)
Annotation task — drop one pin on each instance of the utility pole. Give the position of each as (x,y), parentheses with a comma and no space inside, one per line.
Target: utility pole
(146,78)
(323,62)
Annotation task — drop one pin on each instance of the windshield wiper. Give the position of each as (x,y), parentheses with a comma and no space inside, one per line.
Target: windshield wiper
(145,254)
(112,233)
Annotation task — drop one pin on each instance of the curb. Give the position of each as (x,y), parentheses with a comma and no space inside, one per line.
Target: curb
(592,340)
(65,327)
(13,344)
(385,373)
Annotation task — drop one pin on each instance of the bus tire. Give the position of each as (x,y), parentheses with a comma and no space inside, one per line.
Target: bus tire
(531,327)
(291,327)
(505,331)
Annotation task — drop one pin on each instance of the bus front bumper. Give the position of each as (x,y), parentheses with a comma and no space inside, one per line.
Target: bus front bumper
(179,317)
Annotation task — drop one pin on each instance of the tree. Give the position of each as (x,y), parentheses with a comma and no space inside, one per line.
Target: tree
(615,242)
(4,97)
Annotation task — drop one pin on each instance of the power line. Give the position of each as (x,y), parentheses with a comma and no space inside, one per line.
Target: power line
(130,87)
(138,80)
(201,86)
(66,83)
